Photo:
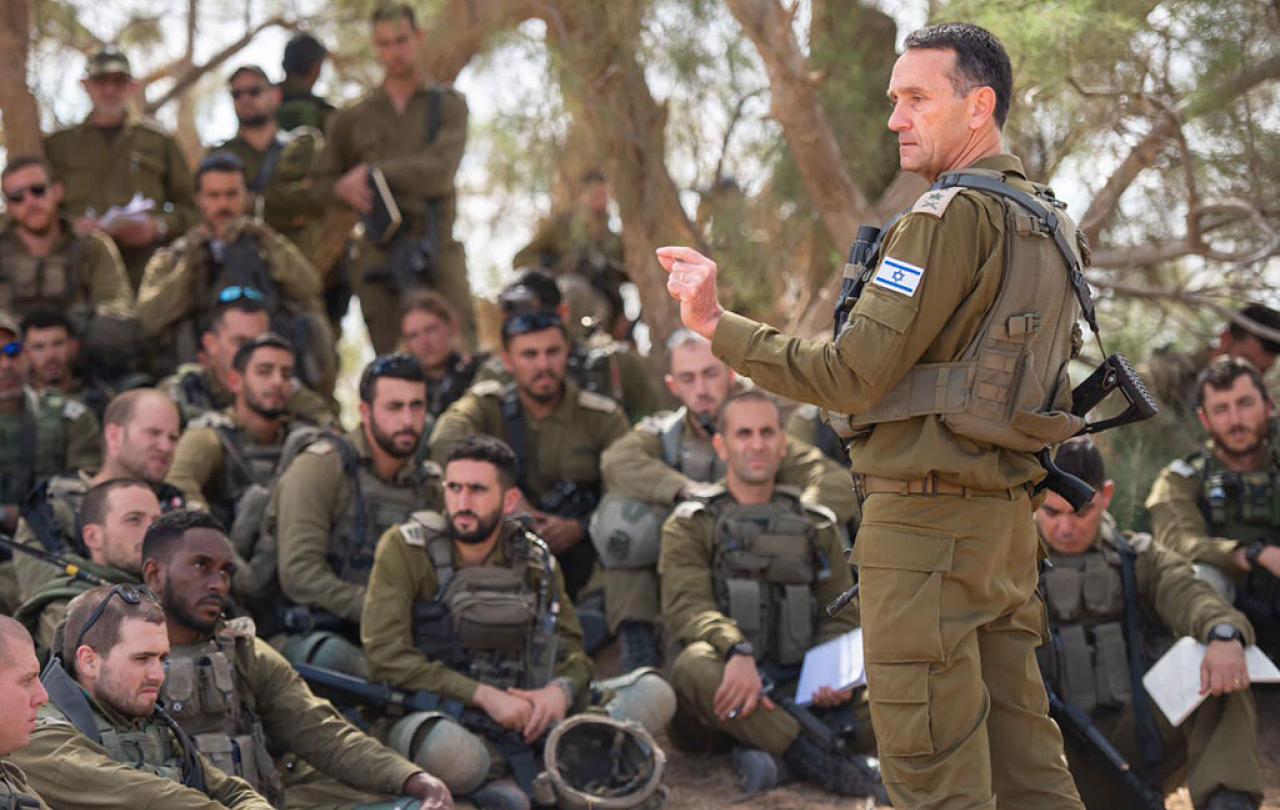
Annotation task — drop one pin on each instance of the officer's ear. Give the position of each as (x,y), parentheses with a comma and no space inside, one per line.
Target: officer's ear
(235,381)
(511,500)
(152,575)
(671,385)
(93,536)
(717,441)
(1105,494)
(88,663)
(982,106)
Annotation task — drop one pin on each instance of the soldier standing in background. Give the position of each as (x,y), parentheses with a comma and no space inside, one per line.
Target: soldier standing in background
(304,57)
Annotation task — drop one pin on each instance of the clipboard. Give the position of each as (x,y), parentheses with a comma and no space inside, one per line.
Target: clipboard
(381,225)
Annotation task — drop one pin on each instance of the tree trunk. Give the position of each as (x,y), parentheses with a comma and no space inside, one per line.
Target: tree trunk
(18,106)
(461,30)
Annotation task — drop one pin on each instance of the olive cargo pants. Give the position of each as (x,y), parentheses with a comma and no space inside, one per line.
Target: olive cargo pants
(951,620)
(381,305)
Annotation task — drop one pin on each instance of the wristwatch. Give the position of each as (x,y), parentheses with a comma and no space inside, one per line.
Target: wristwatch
(1226,632)
(741,648)
(1253,551)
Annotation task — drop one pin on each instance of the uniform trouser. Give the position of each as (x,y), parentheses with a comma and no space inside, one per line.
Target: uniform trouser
(381,304)
(696,675)
(631,595)
(1216,747)
(951,620)
(308,789)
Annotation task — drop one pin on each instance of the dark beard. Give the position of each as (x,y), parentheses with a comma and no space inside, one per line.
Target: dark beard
(484,528)
(177,611)
(256,122)
(388,444)
(265,413)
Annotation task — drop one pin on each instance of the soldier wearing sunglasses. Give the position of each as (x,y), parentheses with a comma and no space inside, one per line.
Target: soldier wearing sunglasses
(103,740)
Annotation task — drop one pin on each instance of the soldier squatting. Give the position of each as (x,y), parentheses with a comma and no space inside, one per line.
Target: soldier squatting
(215,596)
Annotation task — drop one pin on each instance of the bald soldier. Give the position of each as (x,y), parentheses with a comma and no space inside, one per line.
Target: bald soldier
(413,134)
(112,157)
(21,696)
(663,461)
(947,548)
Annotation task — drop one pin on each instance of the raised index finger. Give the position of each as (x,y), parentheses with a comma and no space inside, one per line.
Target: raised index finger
(668,256)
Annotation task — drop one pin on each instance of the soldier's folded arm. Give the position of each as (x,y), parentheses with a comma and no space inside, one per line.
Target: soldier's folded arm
(165,292)
(309,505)
(108,282)
(71,771)
(315,731)
(1178,524)
(1186,604)
(430,171)
(297,278)
(460,420)
(821,480)
(197,461)
(633,467)
(335,158)
(889,332)
(689,608)
(572,662)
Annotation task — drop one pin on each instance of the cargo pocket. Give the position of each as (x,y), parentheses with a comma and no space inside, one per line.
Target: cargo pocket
(899,695)
(900,575)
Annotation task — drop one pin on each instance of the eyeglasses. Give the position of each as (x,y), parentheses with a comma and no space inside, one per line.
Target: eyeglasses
(11,349)
(129,594)
(36,190)
(251,92)
(236,293)
(528,322)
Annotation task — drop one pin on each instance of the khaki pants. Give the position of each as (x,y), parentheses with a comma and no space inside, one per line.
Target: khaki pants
(951,620)
(631,595)
(381,305)
(308,789)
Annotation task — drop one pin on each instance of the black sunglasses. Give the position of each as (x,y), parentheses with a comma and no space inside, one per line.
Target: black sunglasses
(527,322)
(36,190)
(130,594)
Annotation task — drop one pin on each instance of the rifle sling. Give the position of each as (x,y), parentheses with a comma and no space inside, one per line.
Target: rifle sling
(1147,732)
(513,418)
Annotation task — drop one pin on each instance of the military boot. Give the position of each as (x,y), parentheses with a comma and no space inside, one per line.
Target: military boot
(758,771)
(841,772)
(1224,799)
(503,794)
(639,646)
(595,629)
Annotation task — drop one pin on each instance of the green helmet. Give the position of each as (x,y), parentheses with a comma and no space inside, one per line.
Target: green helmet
(443,749)
(328,650)
(626,532)
(578,777)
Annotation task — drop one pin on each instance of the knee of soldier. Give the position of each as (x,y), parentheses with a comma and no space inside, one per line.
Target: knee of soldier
(443,749)
(697,667)
(643,697)
(329,650)
(1218,580)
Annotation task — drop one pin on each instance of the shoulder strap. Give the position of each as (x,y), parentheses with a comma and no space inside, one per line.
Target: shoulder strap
(69,698)
(513,418)
(1148,733)
(435,97)
(192,769)
(440,552)
(27,439)
(671,435)
(233,454)
(268,168)
(351,466)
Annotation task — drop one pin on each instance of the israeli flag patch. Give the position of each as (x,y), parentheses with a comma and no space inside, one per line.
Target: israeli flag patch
(899,276)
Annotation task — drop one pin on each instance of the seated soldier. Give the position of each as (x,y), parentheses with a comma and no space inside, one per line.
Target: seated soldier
(21,696)
(139,434)
(741,625)
(61,364)
(113,518)
(600,364)
(429,331)
(241,702)
(204,386)
(663,461)
(1103,586)
(471,606)
(556,429)
(103,740)
(336,499)
(230,249)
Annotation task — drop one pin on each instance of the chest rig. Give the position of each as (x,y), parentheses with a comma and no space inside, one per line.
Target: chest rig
(244,464)
(1244,507)
(13,793)
(494,624)
(693,457)
(1009,387)
(202,693)
(28,281)
(765,562)
(594,369)
(33,444)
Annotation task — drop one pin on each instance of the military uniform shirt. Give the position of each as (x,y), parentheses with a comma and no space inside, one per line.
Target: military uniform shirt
(198,461)
(1177,522)
(290,201)
(305,404)
(13,784)
(102,285)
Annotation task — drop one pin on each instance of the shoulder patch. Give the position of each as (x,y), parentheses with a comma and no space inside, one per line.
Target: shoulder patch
(415,529)
(321,448)
(241,627)
(820,511)
(898,276)
(935,201)
(1138,541)
(73,409)
(211,419)
(1183,468)
(596,402)
(487,388)
(687,509)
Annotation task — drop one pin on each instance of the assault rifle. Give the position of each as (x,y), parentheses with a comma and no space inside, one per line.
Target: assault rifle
(1079,724)
(831,740)
(570,500)
(411,263)
(68,569)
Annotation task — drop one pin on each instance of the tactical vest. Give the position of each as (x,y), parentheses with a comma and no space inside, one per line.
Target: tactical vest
(13,793)
(201,691)
(192,393)
(1009,387)
(458,376)
(33,444)
(239,263)
(487,622)
(1244,507)
(694,458)
(765,562)
(595,369)
(243,464)
(28,281)
(64,589)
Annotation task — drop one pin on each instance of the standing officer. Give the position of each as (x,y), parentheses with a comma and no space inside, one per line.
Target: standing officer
(21,696)
(111,157)
(304,57)
(947,548)
(414,134)
(244,706)
(736,621)
(1104,585)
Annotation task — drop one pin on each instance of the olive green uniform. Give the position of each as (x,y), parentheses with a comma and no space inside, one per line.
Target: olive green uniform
(72,771)
(14,788)
(949,606)
(564,448)
(101,170)
(46,609)
(702,611)
(299,107)
(82,276)
(1088,665)
(197,390)
(321,760)
(636,467)
(322,563)
(805,424)
(202,470)
(420,172)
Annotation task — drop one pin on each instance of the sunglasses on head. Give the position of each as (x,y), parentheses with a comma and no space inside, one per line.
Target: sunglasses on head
(251,92)
(36,190)
(395,362)
(129,594)
(527,322)
(11,349)
(237,293)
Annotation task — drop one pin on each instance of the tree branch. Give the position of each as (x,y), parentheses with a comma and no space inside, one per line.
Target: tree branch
(191,75)
(462,30)
(1189,298)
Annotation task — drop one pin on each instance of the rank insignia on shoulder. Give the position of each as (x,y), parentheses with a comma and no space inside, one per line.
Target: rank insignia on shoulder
(1183,468)
(899,276)
(935,200)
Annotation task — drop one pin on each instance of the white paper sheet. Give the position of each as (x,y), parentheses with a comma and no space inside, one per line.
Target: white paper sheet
(1174,681)
(836,663)
(138,208)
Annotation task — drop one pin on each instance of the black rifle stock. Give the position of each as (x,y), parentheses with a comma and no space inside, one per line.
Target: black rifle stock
(68,569)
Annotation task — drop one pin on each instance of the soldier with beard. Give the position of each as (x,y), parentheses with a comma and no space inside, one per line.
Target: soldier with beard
(338,496)
(113,519)
(244,706)
(21,696)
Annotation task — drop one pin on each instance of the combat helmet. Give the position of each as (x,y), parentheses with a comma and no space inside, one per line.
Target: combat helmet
(594,762)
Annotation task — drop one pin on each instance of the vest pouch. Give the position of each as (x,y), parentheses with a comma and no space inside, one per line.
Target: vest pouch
(432,630)
(1103,588)
(248,762)
(792,569)
(492,621)
(794,626)
(745,605)
(747,562)
(1111,666)
(216,684)
(1077,671)
(223,752)
(181,697)
(1062,594)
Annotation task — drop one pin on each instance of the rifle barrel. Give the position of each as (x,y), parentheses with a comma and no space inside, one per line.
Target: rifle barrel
(69,569)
